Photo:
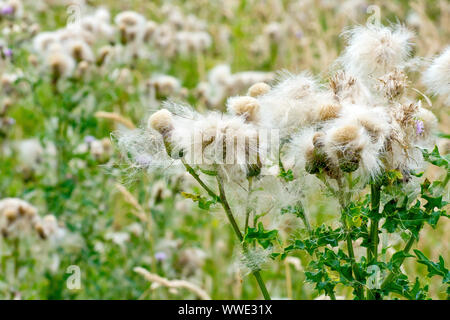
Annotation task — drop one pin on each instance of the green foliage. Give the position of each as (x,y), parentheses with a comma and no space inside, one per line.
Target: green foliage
(203,202)
(260,235)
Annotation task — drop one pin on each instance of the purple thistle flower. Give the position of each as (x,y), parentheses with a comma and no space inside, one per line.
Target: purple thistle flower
(7,52)
(89,139)
(160,256)
(7,10)
(419,127)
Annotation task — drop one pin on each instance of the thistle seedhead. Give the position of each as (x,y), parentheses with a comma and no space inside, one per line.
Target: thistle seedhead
(258,89)
(437,76)
(393,84)
(161,121)
(245,106)
(345,135)
(316,159)
(329,112)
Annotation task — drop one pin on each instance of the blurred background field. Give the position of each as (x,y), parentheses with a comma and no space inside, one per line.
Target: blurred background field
(112,218)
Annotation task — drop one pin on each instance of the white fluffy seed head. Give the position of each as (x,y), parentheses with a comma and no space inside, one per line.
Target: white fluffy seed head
(60,63)
(426,127)
(245,106)
(42,41)
(165,85)
(290,105)
(129,19)
(16,217)
(79,50)
(161,121)
(350,145)
(375,50)
(437,76)
(225,142)
(258,89)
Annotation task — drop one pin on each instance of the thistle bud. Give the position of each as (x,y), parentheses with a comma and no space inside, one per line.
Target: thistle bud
(161,121)
(316,158)
(329,112)
(10,214)
(33,60)
(349,160)
(40,230)
(258,89)
(345,135)
(245,106)
(349,155)
(103,53)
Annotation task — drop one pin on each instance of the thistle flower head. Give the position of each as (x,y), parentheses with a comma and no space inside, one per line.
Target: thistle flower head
(60,64)
(165,85)
(131,26)
(79,50)
(129,19)
(245,106)
(47,226)
(258,89)
(375,50)
(329,111)
(17,217)
(42,41)
(161,121)
(393,84)
(426,127)
(356,141)
(290,104)
(437,76)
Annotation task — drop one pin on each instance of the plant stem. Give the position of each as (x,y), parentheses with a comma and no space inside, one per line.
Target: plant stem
(405,250)
(261,284)
(247,209)
(372,250)
(196,177)
(238,233)
(342,197)
(306,222)
(288,280)
(226,207)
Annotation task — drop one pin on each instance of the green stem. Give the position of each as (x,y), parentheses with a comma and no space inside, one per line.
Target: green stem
(196,177)
(342,197)
(261,284)
(306,222)
(447,178)
(402,259)
(372,250)
(227,209)
(247,209)
(305,218)
(238,233)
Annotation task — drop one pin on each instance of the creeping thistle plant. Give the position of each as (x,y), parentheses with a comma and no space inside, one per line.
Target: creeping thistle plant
(363,138)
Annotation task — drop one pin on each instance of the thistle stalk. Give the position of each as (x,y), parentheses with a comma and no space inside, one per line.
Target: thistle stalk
(348,238)
(247,209)
(372,250)
(228,212)
(391,275)
(238,233)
